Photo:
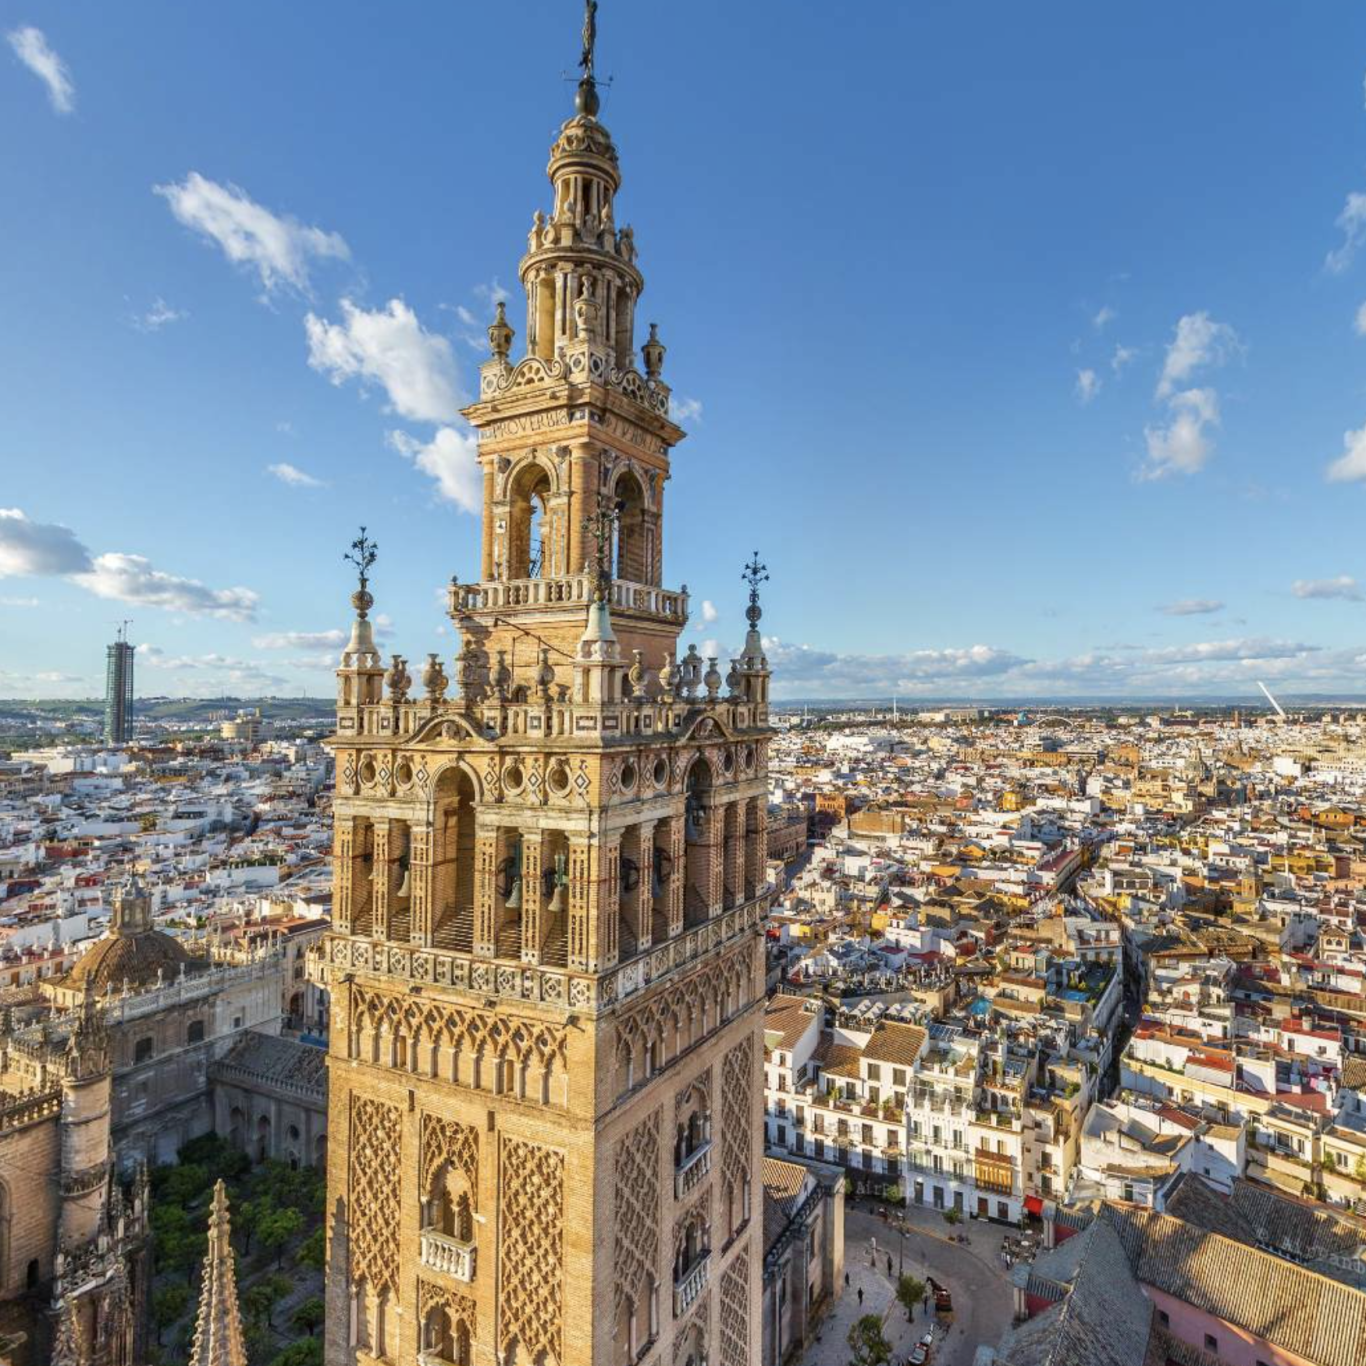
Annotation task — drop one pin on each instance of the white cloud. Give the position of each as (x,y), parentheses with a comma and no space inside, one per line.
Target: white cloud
(300,640)
(294,476)
(279,248)
(20,602)
(709,612)
(1123,355)
(132,578)
(44,548)
(1344,586)
(160,315)
(1351,464)
(1192,607)
(466,316)
(1359,322)
(388,347)
(211,674)
(1352,221)
(683,409)
(31,47)
(1199,340)
(451,457)
(28,547)
(1183,445)
(801,670)
(491,293)
(1105,315)
(1088,385)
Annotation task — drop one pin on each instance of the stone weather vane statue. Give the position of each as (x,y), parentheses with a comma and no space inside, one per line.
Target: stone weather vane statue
(590,37)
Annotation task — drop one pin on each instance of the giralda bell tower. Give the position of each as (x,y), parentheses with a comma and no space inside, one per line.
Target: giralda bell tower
(545,963)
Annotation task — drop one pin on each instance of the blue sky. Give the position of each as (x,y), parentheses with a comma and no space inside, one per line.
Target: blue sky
(1022,341)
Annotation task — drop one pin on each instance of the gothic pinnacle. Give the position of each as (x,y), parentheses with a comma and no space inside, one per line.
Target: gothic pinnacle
(218,1327)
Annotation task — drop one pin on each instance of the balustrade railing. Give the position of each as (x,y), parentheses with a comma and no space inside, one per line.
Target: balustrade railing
(450,1256)
(689,1173)
(547,591)
(694,1281)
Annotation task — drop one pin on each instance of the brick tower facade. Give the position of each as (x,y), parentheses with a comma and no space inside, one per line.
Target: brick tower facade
(545,965)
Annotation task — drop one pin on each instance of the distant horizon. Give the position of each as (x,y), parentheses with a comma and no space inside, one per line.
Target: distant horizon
(1006,702)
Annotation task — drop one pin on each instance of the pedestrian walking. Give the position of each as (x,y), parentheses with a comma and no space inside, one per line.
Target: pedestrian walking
(860,1297)
(846,1280)
(889,1263)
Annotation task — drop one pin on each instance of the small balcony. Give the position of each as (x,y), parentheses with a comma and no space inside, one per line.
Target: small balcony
(450,1256)
(689,1173)
(691,1286)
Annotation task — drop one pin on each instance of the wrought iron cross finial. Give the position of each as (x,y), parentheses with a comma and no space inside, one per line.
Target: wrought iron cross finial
(362,554)
(602,527)
(754,574)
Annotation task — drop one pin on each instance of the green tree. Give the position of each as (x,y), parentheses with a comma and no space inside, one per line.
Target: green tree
(260,1342)
(867,1344)
(309,1315)
(246,1217)
(910,1292)
(312,1251)
(261,1298)
(168,1304)
(277,1228)
(181,1185)
(308,1352)
(951,1216)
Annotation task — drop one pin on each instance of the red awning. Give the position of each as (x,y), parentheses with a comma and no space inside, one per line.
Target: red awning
(1034,1204)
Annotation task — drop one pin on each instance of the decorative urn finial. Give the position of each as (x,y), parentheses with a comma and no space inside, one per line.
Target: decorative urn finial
(399,679)
(434,679)
(653,354)
(500,333)
(712,679)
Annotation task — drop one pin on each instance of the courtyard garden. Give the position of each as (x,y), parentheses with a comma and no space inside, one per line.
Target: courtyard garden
(277,1234)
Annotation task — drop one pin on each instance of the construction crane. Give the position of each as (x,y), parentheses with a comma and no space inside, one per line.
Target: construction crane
(1280,711)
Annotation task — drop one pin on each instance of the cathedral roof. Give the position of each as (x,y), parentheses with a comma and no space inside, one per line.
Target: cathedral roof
(132,951)
(135,959)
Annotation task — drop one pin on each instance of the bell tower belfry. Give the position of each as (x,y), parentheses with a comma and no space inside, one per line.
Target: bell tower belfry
(545,962)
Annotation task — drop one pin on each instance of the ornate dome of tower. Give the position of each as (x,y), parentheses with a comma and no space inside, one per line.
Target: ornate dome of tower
(132,951)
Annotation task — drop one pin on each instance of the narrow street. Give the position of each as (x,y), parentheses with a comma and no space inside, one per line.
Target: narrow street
(973,1273)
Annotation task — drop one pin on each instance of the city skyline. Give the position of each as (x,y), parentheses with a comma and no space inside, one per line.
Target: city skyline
(1091,376)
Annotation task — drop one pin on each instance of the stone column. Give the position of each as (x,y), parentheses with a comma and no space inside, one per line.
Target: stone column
(420,885)
(533,894)
(580,903)
(675,840)
(384,873)
(714,840)
(582,479)
(604,939)
(735,851)
(644,896)
(350,838)
(486,852)
(756,844)
(486,557)
(343,871)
